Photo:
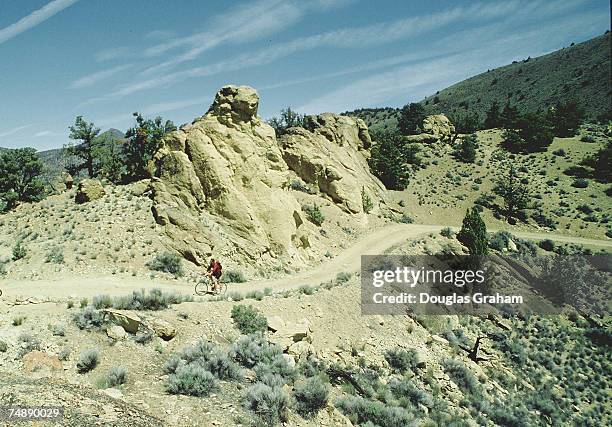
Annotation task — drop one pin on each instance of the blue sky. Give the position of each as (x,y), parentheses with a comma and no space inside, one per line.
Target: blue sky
(105,59)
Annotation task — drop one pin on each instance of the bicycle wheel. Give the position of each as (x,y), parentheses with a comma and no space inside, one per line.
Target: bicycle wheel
(222,288)
(202,287)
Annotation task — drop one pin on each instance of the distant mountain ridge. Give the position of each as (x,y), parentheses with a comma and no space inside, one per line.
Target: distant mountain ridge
(580,71)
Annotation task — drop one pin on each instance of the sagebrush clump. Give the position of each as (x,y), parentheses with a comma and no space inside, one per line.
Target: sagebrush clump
(248,320)
(167,262)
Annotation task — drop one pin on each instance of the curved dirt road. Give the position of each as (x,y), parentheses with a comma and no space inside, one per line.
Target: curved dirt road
(347,261)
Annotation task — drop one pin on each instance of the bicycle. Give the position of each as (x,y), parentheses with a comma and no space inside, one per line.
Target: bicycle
(205,287)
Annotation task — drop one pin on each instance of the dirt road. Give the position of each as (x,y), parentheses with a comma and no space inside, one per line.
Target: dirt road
(347,261)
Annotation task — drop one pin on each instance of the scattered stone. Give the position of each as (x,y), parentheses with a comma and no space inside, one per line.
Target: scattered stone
(163,329)
(128,321)
(116,332)
(88,190)
(113,392)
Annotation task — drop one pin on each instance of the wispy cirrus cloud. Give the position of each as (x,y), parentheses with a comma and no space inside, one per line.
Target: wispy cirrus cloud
(43,133)
(34,18)
(15,130)
(241,24)
(113,53)
(92,79)
(473,53)
(356,37)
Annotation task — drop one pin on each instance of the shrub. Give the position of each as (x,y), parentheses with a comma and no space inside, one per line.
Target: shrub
(3,346)
(343,277)
(192,380)
(298,185)
(18,320)
(102,301)
(407,390)
(154,300)
(83,303)
(499,240)
(270,404)
(64,353)
(167,262)
(115,377)
(314,214)
(406,219)
(248,320)
(306,289)
(277,366)
(362,411)
(144,337)
(27,343)
(19,251)
(311,396)
(55,256)
(88,360)
(253,349)
(58,330)
(402,360)
(547,245)
(88,319)
(580,183)
(584,208)
(447,232)
(233,276)
(223,367)
(461,375)
(366,201)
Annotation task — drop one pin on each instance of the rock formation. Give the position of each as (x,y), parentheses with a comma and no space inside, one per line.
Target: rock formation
(435,128)
(331,154)
(220,184)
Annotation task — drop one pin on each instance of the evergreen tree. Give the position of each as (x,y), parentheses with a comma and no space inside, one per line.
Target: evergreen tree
(565,118)
(390,160)
(144,140)
(84,133)
(509,117)
(108,153)
(288,119)
(411,118)
(20,177)
(466,151)
(514,192)
(601,163)
(493,119)
(473,233)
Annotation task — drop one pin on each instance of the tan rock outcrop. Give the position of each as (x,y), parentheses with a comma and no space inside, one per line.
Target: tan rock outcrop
(219,184)
(439,126)
(331,154)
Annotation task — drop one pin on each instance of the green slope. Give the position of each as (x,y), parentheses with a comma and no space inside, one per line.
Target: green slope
(581,72)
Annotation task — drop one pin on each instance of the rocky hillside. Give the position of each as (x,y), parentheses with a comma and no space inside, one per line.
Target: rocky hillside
(224,185)
(580,71)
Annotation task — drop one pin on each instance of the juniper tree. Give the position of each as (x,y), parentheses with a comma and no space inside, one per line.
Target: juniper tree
(514,192)
(83,133)
(473,233)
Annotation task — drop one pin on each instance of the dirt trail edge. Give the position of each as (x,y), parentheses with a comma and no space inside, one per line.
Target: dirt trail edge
(347,261)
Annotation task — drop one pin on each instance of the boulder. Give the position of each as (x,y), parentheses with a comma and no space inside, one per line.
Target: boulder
(439,126)
(88,190)
(35,361)
(164,330)
(128,321)
(116,332)
(512,246)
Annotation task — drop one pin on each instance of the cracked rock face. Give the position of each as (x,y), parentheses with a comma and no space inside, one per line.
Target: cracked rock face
(220,183)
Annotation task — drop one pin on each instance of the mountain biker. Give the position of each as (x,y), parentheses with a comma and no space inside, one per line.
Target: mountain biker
(214,271)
